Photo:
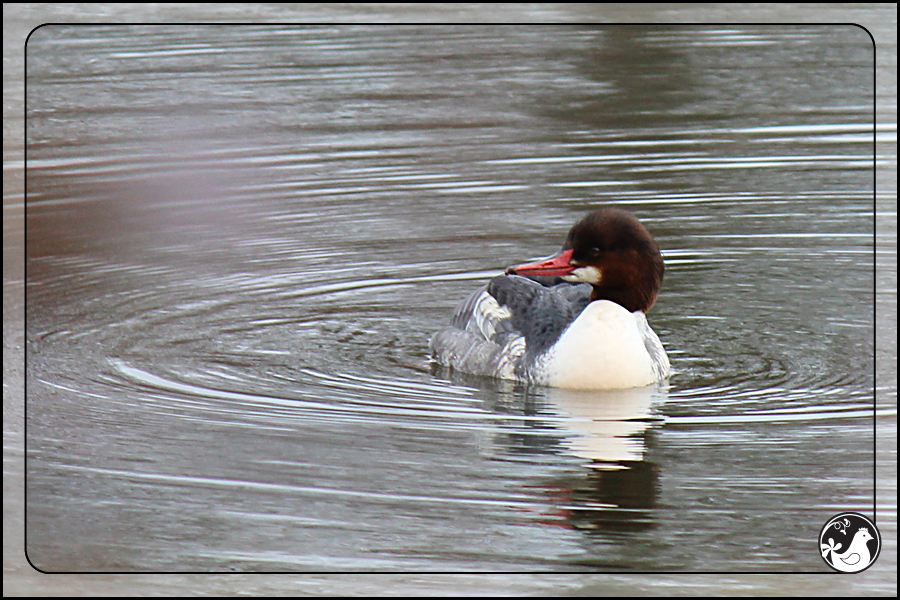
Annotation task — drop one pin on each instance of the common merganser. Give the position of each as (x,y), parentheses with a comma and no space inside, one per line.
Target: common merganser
(575,320)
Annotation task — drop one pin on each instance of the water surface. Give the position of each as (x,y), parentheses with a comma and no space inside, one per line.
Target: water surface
(239,240)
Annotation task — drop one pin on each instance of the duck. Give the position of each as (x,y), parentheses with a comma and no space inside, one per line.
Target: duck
(576,320)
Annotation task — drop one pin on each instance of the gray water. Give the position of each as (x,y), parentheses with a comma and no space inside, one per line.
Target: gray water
(240,238)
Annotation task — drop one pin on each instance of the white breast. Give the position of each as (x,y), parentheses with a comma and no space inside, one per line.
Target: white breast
(606,347)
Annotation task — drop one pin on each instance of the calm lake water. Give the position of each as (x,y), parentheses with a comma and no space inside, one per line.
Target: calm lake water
(240,239)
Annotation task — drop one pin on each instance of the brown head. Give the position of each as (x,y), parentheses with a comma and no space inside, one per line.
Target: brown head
(614,252)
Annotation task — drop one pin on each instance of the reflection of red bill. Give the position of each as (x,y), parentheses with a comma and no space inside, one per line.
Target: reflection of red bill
(553,266)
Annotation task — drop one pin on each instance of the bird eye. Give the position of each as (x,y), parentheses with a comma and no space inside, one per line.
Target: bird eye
(594,251)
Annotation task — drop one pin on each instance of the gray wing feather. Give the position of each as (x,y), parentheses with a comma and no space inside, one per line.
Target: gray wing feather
(540,313)
(499,328)
(654,347)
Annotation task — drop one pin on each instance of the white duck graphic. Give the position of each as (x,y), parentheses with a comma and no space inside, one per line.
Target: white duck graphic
(853,559)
